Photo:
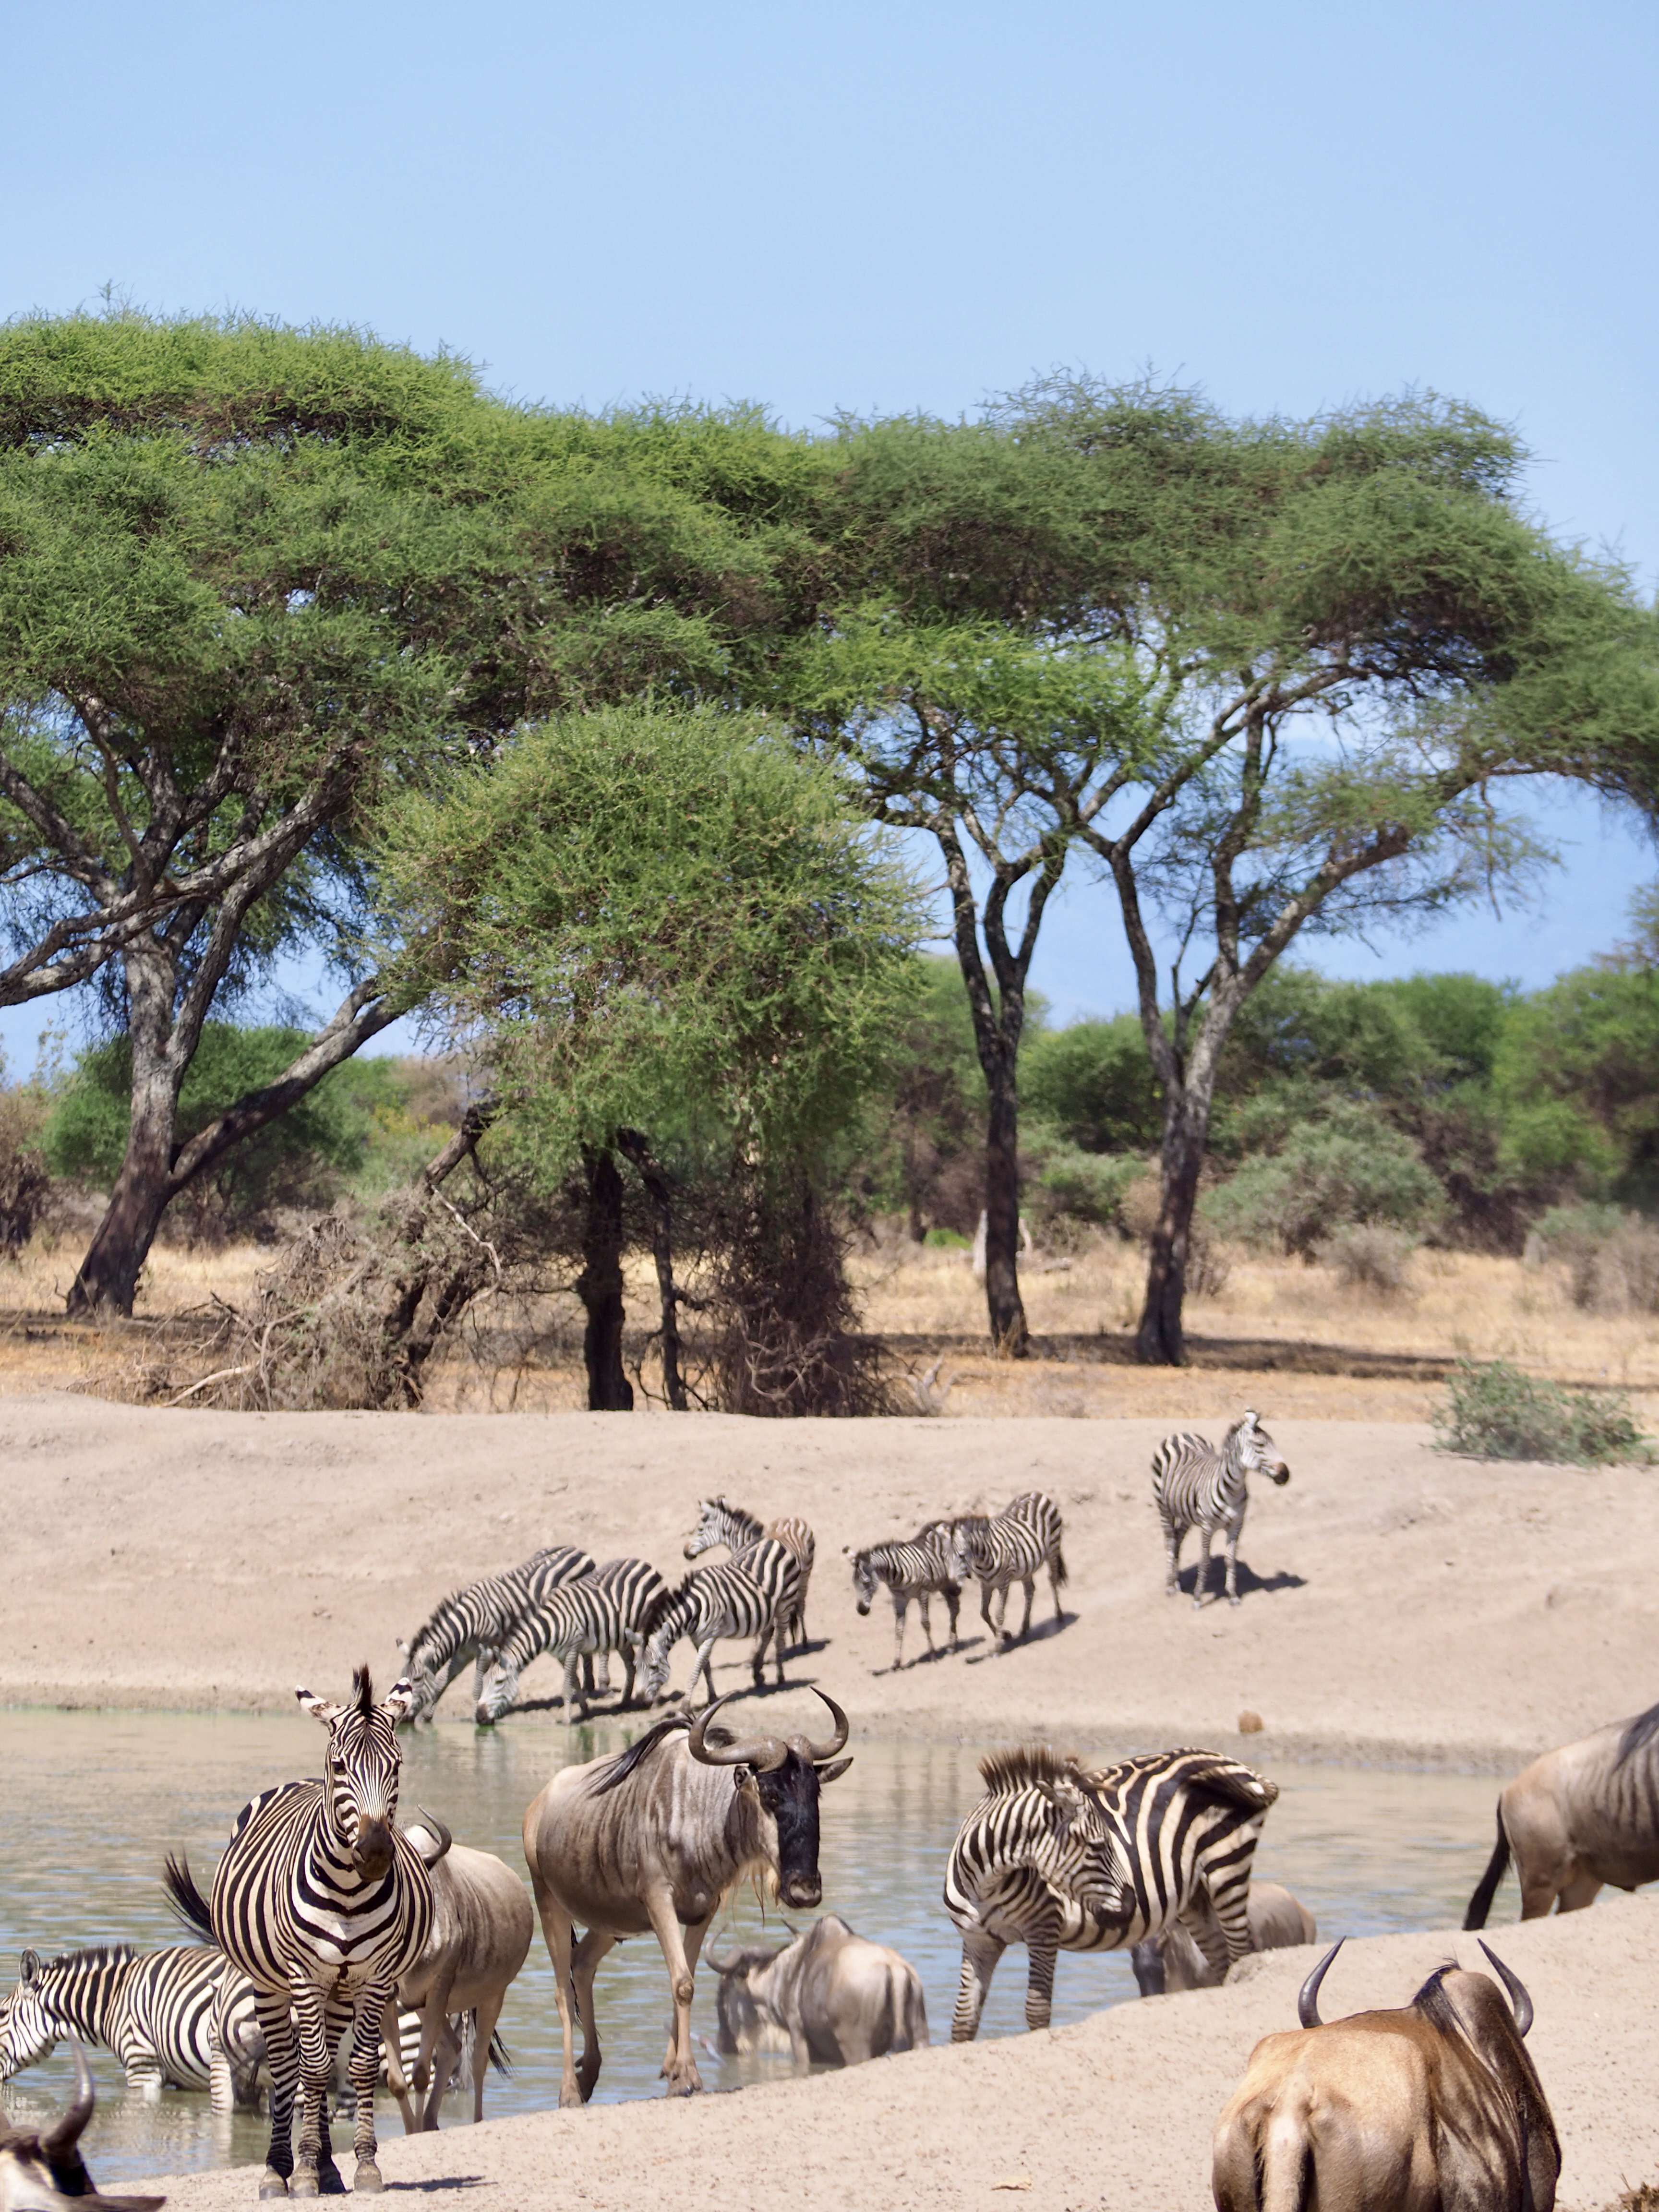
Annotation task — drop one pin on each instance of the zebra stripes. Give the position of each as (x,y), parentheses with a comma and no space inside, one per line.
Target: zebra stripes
(719,1521)
(154,2009)
(1197,1486)
(323,1905)
(571,1623)
(635,1586)
(929,1565)
(1022,1539)
(473,1622)
(712,1602)
(1061,1857)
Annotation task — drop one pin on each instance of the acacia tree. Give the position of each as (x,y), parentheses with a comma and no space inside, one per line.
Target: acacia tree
(249,578)
(653,924)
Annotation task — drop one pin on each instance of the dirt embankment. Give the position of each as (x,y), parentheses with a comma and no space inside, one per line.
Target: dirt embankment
(1398,1605)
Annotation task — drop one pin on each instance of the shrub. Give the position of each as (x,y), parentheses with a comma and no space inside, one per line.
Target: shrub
(1065,1184)
(1613,1257)
(1492,1411)
(1370,1258)
(1349,1171)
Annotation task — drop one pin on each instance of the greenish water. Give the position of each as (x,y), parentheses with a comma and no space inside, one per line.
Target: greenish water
(92,1801)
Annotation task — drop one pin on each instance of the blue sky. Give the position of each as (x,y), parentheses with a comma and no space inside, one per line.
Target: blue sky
(911,206)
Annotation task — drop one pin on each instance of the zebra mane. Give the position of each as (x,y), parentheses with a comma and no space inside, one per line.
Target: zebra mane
(1032,1762)
(363,1690)
(96,1954)
(660,1606)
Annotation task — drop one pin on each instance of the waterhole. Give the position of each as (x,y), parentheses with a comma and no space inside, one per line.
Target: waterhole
(92,1800)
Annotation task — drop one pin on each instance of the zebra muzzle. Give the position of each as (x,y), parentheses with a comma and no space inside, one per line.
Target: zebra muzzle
(372,1853)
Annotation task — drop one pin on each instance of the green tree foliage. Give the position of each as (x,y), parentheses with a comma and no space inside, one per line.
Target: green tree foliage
(1091,1083)
(1349,1171)
(1576,1075)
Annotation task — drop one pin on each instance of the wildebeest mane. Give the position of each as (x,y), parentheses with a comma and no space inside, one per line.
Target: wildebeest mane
(618,1769)
(1638,1734)
(1030,1763)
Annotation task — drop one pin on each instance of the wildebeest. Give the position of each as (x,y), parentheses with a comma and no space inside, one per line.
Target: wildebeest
(654,1837)
(40,2171)
(1434,2108)
(1172,1960)
(481,1926)
(1581,1815)
(833,1996)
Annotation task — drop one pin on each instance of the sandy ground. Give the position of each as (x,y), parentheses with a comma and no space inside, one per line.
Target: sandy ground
(1398,1605)
(1116,2112)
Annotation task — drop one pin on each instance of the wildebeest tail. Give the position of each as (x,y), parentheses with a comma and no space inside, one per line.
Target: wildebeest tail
(1285,2165)
(500,2057)
(1486,1888)
(912,2028)
(187,1901)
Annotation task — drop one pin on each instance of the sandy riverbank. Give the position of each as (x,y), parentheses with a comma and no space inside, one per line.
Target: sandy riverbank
(1399,1606)
(1115,2112)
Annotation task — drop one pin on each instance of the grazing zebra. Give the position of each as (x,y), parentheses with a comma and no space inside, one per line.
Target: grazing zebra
(721,1523)
(1197,1486)
(471,1623)
(927,1566)
(324,1905)
(573,1623)
(753,1599)
(1061,1857)
(1010,1548)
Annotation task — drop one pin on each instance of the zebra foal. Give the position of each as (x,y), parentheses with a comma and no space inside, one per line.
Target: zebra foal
(1199,1485)
(324,1906)
(925,1567)
(1014,1547)
(1062,1856)
(719,1522)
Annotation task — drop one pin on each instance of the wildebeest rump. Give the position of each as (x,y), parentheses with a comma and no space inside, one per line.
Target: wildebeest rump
(834,1996)
(1584,1815)
(655,1838)
(1435,2107)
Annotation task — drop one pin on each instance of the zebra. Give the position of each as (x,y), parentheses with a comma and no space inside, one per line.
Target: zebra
(752,1600)
(154,2009)
(720,1522)
(472,1623)
(573,1623)
(1061,1857)
(323,1905)
(928,1566)
(636,1586)
(1010,1548)
(1198,1484)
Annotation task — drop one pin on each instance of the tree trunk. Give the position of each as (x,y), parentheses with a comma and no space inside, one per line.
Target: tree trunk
(662,1248)
(1160,1341)
(1003,1303)
(107,1279)
(599,1287)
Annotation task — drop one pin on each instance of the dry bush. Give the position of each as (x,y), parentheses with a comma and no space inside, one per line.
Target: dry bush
(25,1185)
(1612,1259)
(1371,1260)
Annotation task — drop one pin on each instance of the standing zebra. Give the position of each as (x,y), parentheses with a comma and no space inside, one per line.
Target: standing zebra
(1060,1857)
(1197,1486)
(573,1623)
(1011,1547)
(753,1599)
(720,1522)
(927,1566)
(471,1623)
(324,1905)
(636,1586)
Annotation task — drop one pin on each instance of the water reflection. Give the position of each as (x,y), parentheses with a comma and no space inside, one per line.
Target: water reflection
(92,1800)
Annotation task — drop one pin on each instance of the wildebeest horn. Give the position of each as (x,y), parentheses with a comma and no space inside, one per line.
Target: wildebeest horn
(1517,1988)
(762,1753)
(817,1751)
(728,1965)
(67,2132)
(438,1833)
(1307,2003)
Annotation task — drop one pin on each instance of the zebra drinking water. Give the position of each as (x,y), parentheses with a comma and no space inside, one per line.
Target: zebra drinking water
(1061,1857)
(473,1622)
(753,1599)
(1199,1485)
(1012,1547)
(719,1521)
(571,1623)
(925,1567)
(324,1905)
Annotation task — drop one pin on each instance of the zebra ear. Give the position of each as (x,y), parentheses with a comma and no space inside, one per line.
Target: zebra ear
(320,1709)
(399,1701)
(28,1966)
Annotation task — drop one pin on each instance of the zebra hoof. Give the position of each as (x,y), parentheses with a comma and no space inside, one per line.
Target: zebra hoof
(272,2183)
(329,2178)
(305,2184)
(366,2179)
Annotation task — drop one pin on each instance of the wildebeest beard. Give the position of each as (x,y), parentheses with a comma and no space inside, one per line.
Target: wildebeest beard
(790,1793)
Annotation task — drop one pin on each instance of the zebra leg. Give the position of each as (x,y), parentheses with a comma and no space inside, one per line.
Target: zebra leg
(573,1689)
(1205,1538)
(272,2009)
(365,2079)
(1235,1530)
(1207,1932)
(1030,1584)
(901,1600)
(953,1605)
(312,2022)
(701,1664)
(1172,1537)
(1053,1587)
(979,1952)
(1042,1947)
(927,1624)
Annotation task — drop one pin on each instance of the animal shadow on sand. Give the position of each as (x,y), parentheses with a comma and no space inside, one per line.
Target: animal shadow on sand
(1039,1630)
(930,1658)
(1248,1580)
(441,2181)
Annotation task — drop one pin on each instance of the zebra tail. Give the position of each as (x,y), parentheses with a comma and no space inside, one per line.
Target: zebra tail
(1487,1889)
(187,1901)
(1061,1574)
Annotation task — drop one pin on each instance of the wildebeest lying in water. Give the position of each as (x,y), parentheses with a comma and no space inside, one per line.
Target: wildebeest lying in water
(1433,2108)
(1172,1960)
(834,1996)
(40,2173)
(1585,1813)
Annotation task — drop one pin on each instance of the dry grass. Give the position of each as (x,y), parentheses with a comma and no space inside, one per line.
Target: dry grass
(1288,1338)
